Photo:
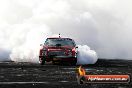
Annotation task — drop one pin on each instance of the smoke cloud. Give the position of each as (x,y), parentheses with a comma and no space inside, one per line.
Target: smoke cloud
(104,25)
(86,56)
(21,42)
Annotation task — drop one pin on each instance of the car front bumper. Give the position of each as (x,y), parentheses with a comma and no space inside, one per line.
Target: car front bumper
(64,58)
(59,58)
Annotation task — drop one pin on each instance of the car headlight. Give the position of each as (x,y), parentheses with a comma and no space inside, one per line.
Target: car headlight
(74,51)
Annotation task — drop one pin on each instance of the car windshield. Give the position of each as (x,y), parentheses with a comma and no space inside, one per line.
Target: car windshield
(59,42)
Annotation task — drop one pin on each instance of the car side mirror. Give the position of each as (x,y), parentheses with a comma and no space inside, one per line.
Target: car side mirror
(41,44)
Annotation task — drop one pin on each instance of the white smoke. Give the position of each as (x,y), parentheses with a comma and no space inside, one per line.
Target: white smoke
(104,25)
(21,42)
(86,55)
(27,48)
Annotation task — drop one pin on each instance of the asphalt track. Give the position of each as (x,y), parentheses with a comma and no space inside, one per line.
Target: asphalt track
(26,75)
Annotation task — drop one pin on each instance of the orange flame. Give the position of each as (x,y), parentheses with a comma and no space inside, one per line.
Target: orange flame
(81,71)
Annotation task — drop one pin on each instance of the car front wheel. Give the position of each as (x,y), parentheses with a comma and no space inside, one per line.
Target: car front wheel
(42,62)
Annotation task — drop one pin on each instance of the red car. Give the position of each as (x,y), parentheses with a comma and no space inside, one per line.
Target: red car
(58,50)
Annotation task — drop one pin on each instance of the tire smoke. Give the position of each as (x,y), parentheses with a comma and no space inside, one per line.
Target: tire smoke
(86,56)
(21,43)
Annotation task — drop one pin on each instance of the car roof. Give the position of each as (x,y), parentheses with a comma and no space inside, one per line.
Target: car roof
(59,37)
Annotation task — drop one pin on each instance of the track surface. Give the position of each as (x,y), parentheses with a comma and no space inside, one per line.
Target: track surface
(25,75)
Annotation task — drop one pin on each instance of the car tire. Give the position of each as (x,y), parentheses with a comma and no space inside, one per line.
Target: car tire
(53,62)
(42,61)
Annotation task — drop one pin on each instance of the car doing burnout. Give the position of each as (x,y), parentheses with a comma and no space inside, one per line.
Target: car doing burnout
(58,50)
